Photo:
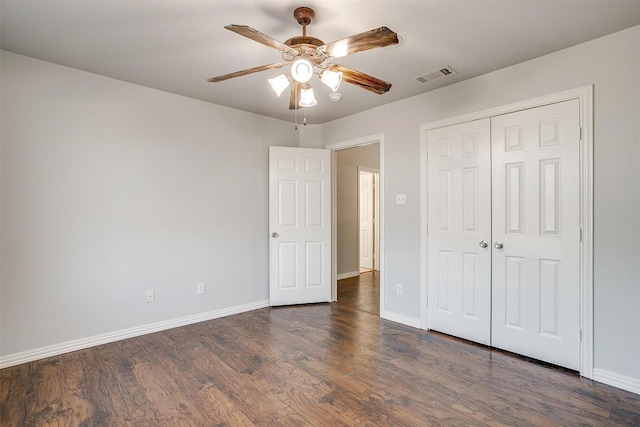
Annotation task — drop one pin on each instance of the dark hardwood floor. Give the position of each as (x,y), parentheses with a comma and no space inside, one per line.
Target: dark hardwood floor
(317,365)
(361,292)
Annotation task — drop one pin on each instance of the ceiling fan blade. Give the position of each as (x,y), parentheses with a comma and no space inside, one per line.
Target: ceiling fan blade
(361,79)
(379,37)
(256,35)
(244,72)
(294,99)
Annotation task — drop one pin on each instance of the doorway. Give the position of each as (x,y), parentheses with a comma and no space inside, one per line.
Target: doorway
(349,159)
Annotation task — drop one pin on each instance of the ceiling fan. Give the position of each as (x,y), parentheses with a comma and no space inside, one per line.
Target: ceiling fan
(304,53)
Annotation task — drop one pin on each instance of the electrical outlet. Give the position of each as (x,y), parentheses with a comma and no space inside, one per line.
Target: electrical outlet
(399,288)
(151,295)
(401,199)
(200,289)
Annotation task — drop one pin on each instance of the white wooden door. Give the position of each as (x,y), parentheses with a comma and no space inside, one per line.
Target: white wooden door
(536,233)
(459,230)
(299,225)
(365,215)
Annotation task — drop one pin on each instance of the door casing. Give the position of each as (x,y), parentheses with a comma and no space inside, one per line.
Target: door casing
(585,97)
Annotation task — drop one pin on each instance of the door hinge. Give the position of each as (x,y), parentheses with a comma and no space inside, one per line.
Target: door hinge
(580,134)
(581,234)
(580,335)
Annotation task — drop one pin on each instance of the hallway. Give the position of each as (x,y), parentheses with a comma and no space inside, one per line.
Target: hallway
(361,292)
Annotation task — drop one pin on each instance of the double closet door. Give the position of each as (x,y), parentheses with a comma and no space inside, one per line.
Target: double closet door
(504,232)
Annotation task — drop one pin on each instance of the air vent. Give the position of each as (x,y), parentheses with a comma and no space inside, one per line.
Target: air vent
(436,74)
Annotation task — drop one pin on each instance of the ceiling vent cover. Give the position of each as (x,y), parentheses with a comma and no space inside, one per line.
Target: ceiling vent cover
(436,74)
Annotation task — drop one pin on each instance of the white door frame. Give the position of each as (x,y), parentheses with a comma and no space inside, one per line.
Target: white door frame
(372,139)
(585,97)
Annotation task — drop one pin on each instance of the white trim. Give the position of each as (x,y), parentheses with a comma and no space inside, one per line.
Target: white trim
(347,275)
(584,92)
(399,318)
(616,380)
(83,343)
(585,97)
(366,140)
(423,227)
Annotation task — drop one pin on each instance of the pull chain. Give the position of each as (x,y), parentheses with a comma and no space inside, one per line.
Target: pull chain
(295,126)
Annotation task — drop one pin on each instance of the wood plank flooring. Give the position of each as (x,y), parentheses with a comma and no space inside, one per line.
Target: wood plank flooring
(314,365)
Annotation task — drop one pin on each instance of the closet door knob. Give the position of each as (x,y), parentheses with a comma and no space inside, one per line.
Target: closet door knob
(498,245)
(274,234)
(483,244)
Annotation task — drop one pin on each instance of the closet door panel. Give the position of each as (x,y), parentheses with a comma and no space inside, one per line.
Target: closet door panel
(536,234)
(459,194)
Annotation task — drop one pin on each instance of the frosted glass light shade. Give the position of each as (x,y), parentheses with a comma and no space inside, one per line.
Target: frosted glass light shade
(302,70)
(331,79)
(307,99)
(279,84)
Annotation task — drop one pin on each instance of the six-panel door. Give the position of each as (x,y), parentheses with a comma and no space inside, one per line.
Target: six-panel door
(299,225)
(365,213)
(513,187)
(536,220)
(459,209)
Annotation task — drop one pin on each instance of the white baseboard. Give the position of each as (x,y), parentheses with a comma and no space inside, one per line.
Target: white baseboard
(347,275)
(80,344)
(399,318)
(616,380)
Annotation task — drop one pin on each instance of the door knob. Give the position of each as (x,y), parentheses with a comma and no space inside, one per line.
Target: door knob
(483,244)
(274,234)
(498,245)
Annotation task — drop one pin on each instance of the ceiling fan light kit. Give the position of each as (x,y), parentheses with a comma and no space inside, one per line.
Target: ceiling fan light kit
(307,98)
(279,84)
(304,53)
(302,70)
(331,79)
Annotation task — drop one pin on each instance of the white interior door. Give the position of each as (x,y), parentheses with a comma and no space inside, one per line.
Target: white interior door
(536,233)
(459,230)
(365,221)
(300,225)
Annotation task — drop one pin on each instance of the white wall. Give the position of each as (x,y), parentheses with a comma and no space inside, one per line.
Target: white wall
(348,161)
(110,189)
(612,65)
(310,136)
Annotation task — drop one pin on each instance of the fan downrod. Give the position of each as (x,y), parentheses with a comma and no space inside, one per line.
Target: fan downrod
(304,15)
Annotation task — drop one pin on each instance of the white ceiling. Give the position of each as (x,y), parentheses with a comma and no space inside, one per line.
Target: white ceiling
(174,46)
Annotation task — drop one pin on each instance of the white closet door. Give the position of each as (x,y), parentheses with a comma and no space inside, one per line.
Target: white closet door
(459,211)
(536,234)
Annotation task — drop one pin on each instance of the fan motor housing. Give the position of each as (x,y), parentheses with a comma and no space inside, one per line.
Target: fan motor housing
(293,41)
